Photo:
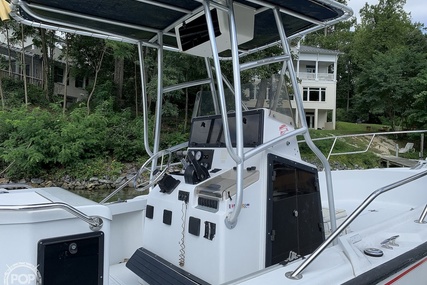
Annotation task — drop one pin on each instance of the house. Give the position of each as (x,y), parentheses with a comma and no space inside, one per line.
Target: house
(34,69)
(316,69)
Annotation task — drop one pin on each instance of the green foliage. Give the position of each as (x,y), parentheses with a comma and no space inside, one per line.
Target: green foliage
(381,69)
(102,94)
(39,140)
(173,137)
(346,115)
(97,167)
(417,114)
(82,136)
(389,52)
(125,136)
(13,91)
(28,141)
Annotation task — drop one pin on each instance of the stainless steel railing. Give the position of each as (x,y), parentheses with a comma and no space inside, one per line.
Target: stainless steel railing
(153,180)
(95,223)
(372,135)
(296,274)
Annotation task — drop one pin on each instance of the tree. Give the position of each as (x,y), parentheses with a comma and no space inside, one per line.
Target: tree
(46,39)
(1,94)
(186,68)
(383,27)
(120,51)
(87,55)
(417,115)
(65,51)
(380,91)
(6,27)
(24,66)
(387,61)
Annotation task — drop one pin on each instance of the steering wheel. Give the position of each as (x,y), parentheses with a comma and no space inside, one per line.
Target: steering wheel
(156,176)
(149,183)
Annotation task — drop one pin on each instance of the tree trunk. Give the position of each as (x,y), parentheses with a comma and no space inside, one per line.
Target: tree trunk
(186,110)
(147,79)
(136,89)
(64,104)
(348,101)
(119,64)
(45,63)
(24,68)
(8,50)
(1,95)
(97,69)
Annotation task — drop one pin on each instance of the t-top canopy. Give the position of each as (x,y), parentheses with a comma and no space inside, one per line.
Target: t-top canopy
(143,20)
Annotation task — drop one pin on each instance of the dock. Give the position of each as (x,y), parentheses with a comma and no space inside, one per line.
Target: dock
(395,161)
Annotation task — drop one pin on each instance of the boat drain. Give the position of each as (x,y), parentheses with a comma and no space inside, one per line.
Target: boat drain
(375,252)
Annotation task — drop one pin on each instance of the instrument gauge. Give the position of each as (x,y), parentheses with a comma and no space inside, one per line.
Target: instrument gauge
(198,155)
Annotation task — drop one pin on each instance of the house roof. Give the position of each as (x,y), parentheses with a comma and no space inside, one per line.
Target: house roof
(311,49)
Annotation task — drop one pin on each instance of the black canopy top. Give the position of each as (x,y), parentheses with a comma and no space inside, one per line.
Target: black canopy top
(142,20)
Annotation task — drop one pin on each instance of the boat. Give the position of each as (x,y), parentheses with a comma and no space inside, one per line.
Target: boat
(235,204)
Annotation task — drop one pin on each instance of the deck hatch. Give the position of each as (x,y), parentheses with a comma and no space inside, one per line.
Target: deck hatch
(74,259)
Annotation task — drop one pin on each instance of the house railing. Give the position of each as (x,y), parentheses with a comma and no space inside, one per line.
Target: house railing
(19,76)
(320,76)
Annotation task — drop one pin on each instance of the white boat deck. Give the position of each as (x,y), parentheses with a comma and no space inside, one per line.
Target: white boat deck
(342,262)
(120,275)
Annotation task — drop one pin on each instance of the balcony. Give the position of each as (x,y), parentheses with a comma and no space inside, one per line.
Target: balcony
(324,76)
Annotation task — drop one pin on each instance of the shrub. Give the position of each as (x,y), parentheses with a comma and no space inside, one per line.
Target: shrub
(29,139)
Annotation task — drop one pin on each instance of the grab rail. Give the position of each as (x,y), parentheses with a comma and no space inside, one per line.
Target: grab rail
(422,216)
(161,153)
(296,274)
(134,178)
(335,138)
(95,223)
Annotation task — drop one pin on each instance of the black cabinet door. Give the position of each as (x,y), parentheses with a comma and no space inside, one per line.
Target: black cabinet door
(294,220)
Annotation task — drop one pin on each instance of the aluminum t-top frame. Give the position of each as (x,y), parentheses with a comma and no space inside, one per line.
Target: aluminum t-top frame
(152,23)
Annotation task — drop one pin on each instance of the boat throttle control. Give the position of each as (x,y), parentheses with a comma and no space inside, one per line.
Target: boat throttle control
(195,172)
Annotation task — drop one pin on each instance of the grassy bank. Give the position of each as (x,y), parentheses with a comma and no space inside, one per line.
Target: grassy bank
(324,139)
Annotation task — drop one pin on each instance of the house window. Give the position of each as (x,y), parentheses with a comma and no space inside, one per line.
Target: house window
(314,94)
(305,94)
(58,74)
(79,82)
(310,68)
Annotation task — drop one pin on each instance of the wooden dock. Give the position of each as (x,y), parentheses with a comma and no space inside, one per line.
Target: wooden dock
(394,161)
